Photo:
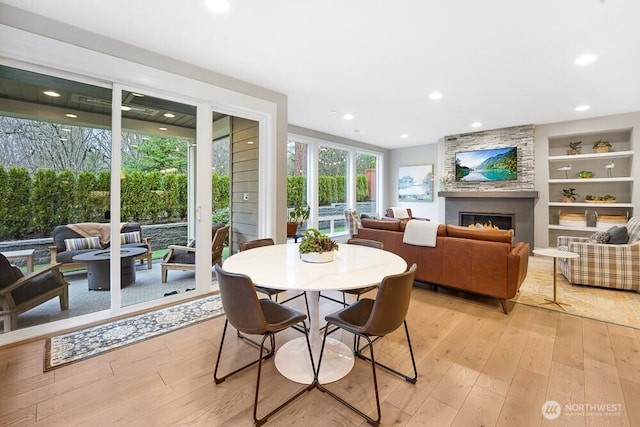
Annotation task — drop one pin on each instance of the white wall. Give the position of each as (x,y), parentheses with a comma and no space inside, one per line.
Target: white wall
(415,156)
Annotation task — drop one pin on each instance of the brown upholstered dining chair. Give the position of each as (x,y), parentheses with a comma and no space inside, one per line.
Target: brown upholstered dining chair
(367,318)
(360,291)
(184,257)
(271,293)
(250,315)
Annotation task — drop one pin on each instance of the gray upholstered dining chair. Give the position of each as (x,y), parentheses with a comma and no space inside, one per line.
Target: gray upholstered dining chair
(367,318)
(250,315)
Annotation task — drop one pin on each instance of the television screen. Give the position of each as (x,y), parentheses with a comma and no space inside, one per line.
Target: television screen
(497,164)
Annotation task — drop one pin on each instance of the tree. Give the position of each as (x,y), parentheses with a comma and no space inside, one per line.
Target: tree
(153,153)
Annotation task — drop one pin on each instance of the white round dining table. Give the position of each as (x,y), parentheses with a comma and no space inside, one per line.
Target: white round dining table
(280,267)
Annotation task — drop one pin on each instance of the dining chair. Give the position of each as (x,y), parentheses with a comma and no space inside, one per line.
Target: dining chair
(271,293)
(360,291)
(250,315)
(367,318)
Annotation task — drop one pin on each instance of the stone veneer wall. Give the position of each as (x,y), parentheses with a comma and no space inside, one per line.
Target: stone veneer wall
(518,136)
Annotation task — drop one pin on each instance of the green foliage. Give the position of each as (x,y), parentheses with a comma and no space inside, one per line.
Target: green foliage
(66,182)
(152,197)
(17,197)
(86,185)
(4,194)
(300,213)
(220,215)
(44,200)
(220,187)
(314,241)
(362,188)
(295,190)
(155,154)
(131,199)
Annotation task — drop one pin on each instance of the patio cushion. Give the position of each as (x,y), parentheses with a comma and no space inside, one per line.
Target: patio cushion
(132,237)
(82,243)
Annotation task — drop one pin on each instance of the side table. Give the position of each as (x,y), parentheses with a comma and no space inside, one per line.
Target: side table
(555,254)
(26,255)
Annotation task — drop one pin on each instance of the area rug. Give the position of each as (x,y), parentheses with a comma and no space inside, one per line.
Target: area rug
(609,305)
(65,349)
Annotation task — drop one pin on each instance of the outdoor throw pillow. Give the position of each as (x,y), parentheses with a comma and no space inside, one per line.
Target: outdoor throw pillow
(82,243)
(132,237)
(599,237)
(618,235)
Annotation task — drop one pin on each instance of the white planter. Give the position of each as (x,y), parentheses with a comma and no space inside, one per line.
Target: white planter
(317,256)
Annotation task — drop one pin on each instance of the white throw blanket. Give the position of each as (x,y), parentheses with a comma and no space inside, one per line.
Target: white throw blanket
(420,233)
(400,213)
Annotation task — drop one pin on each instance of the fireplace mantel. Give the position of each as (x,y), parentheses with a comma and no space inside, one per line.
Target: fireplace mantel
(490,194)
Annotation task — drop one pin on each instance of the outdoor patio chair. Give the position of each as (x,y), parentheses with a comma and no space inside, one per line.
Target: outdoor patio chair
(184,257)
(19,293)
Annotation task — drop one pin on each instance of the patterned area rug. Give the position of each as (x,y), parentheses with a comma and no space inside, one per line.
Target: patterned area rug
(609,305)
(75,346)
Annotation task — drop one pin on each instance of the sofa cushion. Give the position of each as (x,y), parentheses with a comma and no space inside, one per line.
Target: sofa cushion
(131,237)
(618,235)
(381,224)
(36,286)
(504,236)
(82,243)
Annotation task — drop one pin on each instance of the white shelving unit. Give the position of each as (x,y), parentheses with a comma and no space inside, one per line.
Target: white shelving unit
(619,184)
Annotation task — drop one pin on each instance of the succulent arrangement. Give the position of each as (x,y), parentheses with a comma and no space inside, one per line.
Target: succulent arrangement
(313,241)
(607,198)
(569,194)
(602,145)
(574,147)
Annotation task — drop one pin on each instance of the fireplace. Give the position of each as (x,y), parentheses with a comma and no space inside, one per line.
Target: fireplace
(516,206)
(502,221)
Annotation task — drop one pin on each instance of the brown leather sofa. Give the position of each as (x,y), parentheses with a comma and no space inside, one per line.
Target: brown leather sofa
(484,262)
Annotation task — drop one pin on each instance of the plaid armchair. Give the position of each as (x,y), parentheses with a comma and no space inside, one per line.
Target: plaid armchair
(603,265)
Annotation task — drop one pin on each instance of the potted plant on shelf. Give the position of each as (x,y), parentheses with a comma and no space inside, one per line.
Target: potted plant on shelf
(568,195)
(602,146)
(297,216)
(574,147)
(316,247)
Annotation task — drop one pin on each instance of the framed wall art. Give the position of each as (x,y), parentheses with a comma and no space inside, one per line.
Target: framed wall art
(415,183)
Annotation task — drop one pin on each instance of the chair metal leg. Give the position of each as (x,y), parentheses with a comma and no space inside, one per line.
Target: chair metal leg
(322,388)
(407,378)
(219,380)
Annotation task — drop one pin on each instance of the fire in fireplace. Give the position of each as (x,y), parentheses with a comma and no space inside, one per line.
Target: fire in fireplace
(502,221)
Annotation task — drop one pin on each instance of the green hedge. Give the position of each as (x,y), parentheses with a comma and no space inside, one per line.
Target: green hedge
(331,189)
(33,206)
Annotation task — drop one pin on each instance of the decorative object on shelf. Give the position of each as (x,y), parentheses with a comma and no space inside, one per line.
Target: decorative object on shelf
(607,198)
(602,146)
(569,195)
(574,147)
(572,219)
(585,174)
(609,168)
(565,169)
(608,221)
(296,217)
(316,247)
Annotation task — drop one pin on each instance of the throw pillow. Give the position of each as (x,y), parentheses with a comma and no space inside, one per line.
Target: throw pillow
(132,237)
(633,227)
(618,235)
(82,243)
(599,237)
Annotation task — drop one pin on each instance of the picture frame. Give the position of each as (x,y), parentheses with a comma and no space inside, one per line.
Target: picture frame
(415,183)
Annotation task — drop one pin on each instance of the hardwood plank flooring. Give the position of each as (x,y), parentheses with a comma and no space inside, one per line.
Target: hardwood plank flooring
(476,366)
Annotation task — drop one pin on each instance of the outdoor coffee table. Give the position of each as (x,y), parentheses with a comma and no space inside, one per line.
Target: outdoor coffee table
(98,267)
(555,253)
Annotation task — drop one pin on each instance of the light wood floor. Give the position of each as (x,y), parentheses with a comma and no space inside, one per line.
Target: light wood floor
(477,367)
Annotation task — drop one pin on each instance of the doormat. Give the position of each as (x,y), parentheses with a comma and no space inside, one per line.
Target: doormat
(75,346)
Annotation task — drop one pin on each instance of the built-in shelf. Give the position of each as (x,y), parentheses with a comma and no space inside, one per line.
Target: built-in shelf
(591,180)
(574,228)
(591,156)
(592,205)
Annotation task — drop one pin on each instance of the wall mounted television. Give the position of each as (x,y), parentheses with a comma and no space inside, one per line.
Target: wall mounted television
(496,164)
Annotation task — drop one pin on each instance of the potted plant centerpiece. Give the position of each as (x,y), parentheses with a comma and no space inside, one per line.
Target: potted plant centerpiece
(296,217)
(316,247)
(602,146)
(568,195)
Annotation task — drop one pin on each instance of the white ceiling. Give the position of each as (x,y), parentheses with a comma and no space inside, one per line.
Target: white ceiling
(499,62)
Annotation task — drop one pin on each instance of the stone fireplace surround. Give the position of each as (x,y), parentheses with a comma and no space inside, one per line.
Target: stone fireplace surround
(519,204)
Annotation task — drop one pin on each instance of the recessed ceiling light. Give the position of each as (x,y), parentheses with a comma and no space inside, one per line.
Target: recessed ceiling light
(65,130)
(162,128)
(169,115)
(51,93)
(435,95)
(250,142)
(63,139)
(582,108)
(356,130)
(218,6)
(71,116)
(137,94)
(404,135)
(585,59)
(348,116)
(125,108)
(476,124)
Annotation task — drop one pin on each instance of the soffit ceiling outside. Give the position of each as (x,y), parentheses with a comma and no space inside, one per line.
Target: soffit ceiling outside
(501,62)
